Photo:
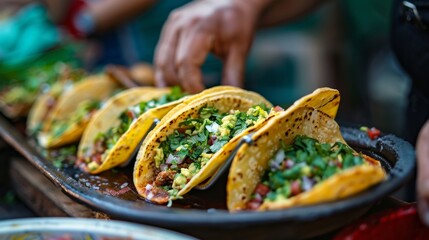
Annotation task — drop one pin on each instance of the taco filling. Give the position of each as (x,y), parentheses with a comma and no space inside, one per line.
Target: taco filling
(188,149)
(82,114)
(297,168)
(105,141)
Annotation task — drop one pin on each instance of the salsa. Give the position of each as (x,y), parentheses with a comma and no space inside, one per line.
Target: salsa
(104,141)
(188,149)
(298,167)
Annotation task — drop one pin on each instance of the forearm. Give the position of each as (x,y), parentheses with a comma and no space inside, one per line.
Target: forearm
(283,11)
(111,13)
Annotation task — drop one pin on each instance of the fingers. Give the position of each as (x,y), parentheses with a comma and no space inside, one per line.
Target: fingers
(181,51)
(192,78)
(194,31)
(422,152)
(234,67)
(165,72)
(192,50)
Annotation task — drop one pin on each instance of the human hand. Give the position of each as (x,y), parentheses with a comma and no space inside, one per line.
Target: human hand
(422,151)
(222,27)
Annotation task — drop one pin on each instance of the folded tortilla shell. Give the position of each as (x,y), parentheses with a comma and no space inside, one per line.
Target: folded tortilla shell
(252,160)
(38,112)
(107,117)
(97,87)
(224,101)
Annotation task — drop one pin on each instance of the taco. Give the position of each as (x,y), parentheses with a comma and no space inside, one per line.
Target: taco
(17,98)
(67,120)
(46,101)
(194,139)
(117,129)
(298,158)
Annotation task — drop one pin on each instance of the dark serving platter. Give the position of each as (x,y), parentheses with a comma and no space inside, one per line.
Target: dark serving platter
(202,213)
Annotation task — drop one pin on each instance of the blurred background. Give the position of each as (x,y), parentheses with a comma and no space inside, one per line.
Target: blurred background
(344,44)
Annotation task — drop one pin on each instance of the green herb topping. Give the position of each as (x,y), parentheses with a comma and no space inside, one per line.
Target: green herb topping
(105,141)
(188,149)
(299,167)
(82,113)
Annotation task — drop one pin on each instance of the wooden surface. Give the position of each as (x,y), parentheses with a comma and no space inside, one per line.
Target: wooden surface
(42,196)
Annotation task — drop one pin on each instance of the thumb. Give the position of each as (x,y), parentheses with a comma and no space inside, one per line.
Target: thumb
(233,70)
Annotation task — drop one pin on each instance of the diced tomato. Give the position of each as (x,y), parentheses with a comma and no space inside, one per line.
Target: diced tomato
(339,164)
(295,188)
(131,114)
(278,109)
(181,130)
(254,204)
(373,133)
(262,190)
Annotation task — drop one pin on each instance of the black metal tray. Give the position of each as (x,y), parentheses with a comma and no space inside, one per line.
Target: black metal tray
(202,213)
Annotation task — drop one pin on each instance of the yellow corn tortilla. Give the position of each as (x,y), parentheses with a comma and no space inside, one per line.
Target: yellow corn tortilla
(251,161)
(96,87)
(107,118)
(38,112)
(222,98)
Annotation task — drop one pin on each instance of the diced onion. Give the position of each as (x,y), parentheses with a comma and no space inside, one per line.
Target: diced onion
(163,167)
(172,158)
(68,86)
(169,159)
(135,110)
(213,128)
(148,187)
(150,196)
(179,161)
(289,163)
(276,162)
(258,197)
(307,183)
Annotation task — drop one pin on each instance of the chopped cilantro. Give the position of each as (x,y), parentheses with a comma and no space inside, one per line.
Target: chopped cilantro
(306,159)
(83,110)
(127,117)
(198,138)
(218,145)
